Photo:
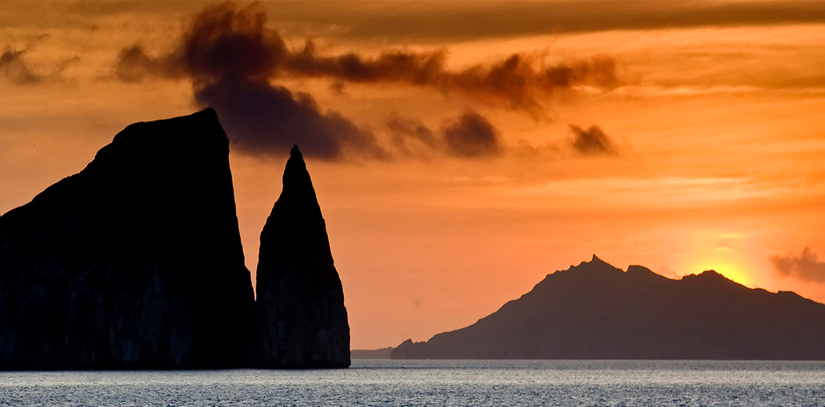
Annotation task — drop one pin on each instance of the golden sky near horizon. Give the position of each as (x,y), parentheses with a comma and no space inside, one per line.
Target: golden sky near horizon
(461,150)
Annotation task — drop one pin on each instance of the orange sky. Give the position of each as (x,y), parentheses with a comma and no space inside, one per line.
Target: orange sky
(711,121)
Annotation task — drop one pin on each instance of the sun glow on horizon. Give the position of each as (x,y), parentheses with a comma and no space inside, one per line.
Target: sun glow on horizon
(731,271)
(725,251)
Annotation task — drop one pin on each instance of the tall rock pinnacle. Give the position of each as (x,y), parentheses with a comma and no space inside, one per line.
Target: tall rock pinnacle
(134,263)
(300,317)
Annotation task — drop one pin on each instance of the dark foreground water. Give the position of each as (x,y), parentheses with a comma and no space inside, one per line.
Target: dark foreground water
(437,383)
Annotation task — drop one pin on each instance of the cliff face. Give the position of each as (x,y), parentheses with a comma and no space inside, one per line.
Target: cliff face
(596,311)
(300,317)
(135,262)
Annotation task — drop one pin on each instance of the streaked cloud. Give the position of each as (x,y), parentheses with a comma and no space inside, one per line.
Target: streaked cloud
(661,192)
(403,20)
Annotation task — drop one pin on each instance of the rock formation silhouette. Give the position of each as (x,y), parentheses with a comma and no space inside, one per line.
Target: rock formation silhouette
(300,316)
(134,263)
(597,311)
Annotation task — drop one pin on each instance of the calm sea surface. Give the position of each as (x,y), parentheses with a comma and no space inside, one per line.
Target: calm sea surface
(437,383)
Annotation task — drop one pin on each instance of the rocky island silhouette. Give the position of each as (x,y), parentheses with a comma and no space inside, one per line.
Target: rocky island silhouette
(136,263)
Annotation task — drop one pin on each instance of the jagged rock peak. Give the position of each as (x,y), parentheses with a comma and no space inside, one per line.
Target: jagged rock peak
(596,260)
(595,264)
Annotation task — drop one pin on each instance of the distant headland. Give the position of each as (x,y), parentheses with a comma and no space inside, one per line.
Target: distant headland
(597,311)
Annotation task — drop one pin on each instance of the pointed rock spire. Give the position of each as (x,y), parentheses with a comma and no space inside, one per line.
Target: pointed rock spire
(300,317)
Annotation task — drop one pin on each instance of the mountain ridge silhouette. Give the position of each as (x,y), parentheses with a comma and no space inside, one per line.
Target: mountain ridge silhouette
(597,311)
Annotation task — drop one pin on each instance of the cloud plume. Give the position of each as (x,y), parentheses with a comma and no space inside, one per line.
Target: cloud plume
(592,141)
(470,135)
(223,41)
(230,58)
(234,62)
(805,267)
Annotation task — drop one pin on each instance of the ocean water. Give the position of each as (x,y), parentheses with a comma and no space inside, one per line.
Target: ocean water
(437,383)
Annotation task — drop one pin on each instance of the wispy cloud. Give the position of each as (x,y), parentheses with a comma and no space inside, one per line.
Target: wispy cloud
(461,20)
(661,192)
(16,69)
(806,266)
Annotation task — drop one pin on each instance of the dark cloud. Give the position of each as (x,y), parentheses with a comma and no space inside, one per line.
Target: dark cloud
(224,41)
(592,141)
(265,118)
(805,267)
(14,68)
(230,57)
(471,135)
(220,41)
